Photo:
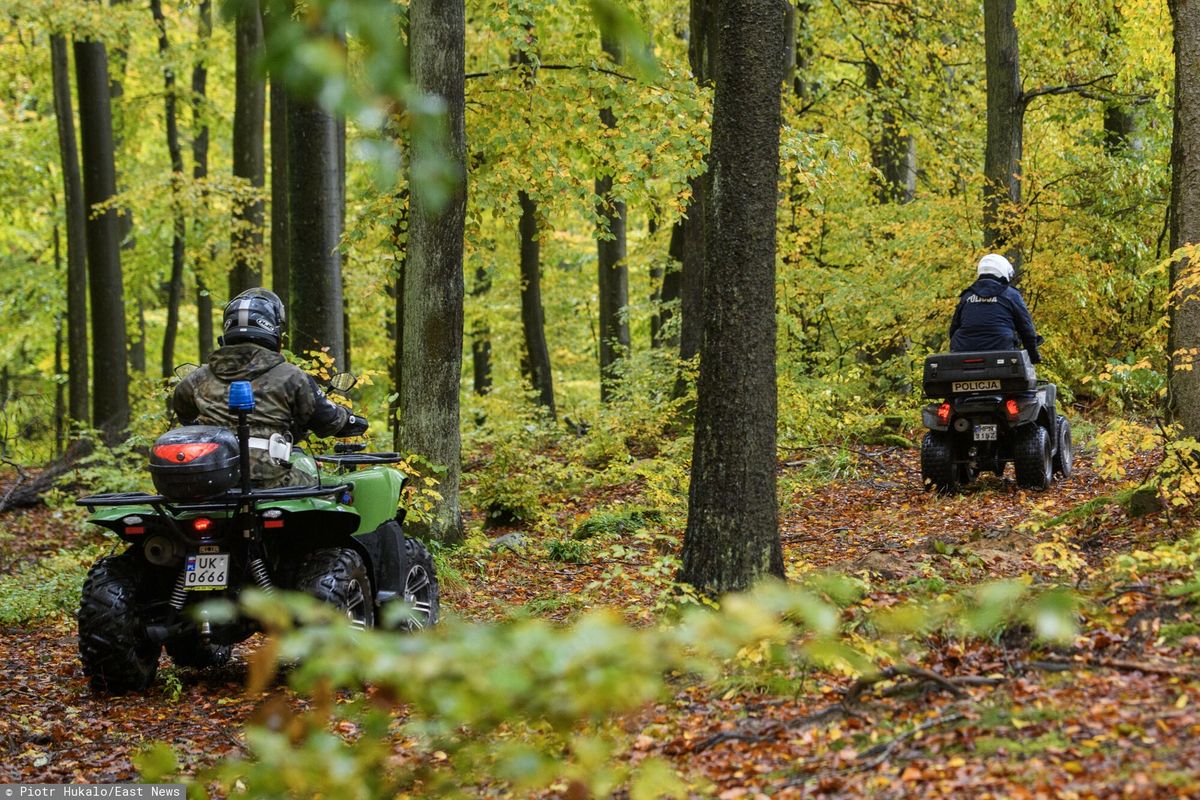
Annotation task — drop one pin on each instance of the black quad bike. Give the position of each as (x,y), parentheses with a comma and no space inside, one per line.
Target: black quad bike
(992,411)
(207,534)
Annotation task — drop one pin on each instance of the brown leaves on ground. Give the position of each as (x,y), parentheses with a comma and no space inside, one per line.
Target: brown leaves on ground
(1115,716)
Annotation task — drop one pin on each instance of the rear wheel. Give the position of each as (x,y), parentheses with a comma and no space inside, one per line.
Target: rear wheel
(937,463)
(1064,462)
(1031,457)
(116,653)
(338,576)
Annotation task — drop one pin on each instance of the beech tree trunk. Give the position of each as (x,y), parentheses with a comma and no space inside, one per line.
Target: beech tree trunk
(1005,124)
(110,386)
(433,274)
(314,231)
(732,535)
(536,360)
(178,239)
(204,304)
(76,224)
(672,285)
(249,111)
(1183,344)
(613,278)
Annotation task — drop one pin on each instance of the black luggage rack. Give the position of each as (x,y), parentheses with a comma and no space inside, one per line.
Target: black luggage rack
(231,499)
(359,459)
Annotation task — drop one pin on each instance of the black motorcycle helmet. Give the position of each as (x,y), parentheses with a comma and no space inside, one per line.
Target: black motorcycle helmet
(255,316)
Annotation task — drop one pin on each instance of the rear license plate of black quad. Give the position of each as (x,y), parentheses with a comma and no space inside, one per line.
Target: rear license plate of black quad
(985,433)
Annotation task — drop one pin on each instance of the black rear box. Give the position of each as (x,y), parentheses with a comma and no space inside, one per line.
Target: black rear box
(992,371)
(180,475)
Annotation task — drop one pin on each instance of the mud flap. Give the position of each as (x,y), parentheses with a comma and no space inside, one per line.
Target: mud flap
(385,547)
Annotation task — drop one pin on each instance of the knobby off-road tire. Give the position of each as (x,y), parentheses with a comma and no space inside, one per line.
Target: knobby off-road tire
(937,463)
(1032,459)
(421,590)
(338,576)
(117,656)
(1064,462)
(192,653)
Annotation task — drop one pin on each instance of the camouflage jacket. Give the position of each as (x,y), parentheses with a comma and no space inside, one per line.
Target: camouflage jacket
(286,400)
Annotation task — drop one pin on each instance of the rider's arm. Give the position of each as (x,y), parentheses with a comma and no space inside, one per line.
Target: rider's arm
(317,413)
(1023,321)
(183,403)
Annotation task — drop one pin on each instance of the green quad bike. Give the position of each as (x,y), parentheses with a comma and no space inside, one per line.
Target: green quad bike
(208,534)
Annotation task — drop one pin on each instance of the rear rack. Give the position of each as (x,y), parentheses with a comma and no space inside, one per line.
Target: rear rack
(360,459)
(231,499)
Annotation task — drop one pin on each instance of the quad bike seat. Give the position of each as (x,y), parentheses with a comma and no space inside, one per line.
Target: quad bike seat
(993,371)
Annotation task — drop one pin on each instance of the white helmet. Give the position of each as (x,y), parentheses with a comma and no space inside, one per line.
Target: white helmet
(996,265)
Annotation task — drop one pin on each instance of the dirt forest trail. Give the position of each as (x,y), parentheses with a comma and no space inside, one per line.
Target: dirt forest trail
(1001,727)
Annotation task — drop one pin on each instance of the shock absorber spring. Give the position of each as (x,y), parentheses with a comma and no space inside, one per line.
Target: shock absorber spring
(259,570)
(179,593)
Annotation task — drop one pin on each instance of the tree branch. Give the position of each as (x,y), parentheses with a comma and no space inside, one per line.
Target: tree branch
(1070,88)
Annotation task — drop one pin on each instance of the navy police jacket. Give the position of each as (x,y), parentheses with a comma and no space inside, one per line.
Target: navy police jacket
(992,315)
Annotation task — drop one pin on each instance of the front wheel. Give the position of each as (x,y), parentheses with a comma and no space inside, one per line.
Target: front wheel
(421,591)
(937,463)
(338,576)
(1064,462)
(1031,457)
(117,655)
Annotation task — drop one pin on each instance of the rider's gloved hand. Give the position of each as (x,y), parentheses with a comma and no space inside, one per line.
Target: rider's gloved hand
(355,426)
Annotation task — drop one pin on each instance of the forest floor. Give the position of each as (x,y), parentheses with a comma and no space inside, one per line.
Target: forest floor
(1115,715)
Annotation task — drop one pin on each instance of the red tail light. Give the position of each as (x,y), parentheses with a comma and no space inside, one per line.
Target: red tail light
(135,529)
(1010,405)
(972,360)
(201,524)
(943,414)
(184,453)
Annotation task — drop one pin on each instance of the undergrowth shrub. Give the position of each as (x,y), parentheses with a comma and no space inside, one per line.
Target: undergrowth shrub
(47,589)
(519,706)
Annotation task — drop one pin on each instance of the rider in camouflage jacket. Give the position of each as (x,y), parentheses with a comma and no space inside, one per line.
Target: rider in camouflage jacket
(287,401)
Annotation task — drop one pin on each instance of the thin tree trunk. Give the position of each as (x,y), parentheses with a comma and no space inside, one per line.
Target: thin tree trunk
(137,347)
(175,283)
(732,535)
(893,152)
(613,277)
(60,400)
(481,336)
(536,360)
(1005,123)
(76,222)
(669,293)
(400,239)
(1183,344)
(110,388)
(314,233)
(204,305)
(433,284)
(248,159)
(280,251)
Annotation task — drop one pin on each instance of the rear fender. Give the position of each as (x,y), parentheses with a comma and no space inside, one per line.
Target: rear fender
(118,518)
(326,519)
(929,418)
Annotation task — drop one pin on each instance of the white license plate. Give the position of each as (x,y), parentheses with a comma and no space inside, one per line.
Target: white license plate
(985,433)
(975,386)
(207,571)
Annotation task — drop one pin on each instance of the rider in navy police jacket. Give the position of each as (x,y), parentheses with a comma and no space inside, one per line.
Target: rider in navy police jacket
(992,315)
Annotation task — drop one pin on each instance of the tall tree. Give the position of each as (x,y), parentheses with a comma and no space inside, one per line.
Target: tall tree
(613,273)
(1183,344)
(314,230)
(1005,129)
(249,111)
(433,274)
(179,232)
(894,150)
(110,385)
(76,223)
(732,535)
(536,358)
(481,336)
(280,250)
(204,304)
